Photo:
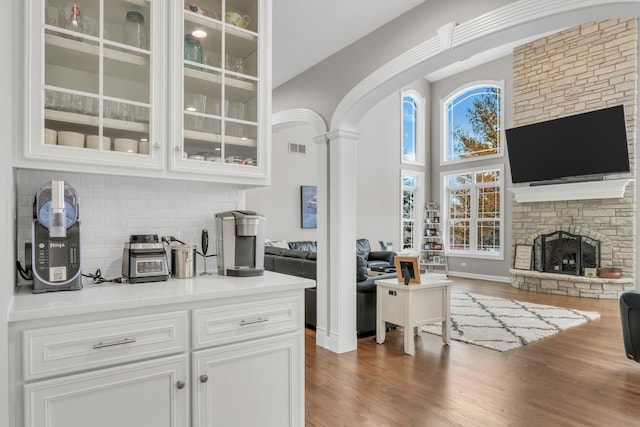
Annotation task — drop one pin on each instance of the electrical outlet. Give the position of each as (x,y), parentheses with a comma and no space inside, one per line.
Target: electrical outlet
(463,264)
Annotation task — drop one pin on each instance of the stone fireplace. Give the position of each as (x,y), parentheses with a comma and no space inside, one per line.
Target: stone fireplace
(585,68)
(562,252)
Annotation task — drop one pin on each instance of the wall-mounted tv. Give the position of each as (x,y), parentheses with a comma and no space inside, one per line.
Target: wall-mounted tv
(587,145)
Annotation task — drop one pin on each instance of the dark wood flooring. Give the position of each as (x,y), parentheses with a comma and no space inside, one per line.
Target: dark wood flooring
(578,377)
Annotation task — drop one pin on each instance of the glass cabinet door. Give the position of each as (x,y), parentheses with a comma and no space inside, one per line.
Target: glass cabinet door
(221,85)
(96,81)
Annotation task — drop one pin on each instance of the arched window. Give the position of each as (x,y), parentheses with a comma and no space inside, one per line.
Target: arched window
(412,128)
(473,120)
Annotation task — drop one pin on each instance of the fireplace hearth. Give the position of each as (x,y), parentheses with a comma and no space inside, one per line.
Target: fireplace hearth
(561,252)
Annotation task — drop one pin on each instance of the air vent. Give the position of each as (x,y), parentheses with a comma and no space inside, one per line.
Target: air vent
(297,148)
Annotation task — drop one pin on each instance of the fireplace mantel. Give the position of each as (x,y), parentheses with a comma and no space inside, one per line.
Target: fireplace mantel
(608,189)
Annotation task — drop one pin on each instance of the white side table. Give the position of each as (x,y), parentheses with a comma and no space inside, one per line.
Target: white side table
(412,306)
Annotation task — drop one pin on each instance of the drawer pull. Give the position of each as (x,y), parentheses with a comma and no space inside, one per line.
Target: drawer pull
(180,385)
(111,344)
(251,322)
(204,378)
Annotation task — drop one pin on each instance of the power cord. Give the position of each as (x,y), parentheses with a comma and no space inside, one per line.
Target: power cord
(25,275)
(97,278)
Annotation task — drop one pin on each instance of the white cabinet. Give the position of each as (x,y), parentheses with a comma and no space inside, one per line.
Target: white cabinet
(149,87)
(146,394)
(192,360)
(93,95)
(221,87)
(432,254)
(254,383)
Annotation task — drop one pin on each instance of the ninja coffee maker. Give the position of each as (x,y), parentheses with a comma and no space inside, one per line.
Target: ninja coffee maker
(55,237)
(240,243)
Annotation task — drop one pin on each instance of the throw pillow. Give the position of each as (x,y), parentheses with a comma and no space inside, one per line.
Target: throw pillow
(361,269)
(280,244)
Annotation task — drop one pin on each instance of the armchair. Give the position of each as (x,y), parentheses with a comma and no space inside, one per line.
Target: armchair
(374,258)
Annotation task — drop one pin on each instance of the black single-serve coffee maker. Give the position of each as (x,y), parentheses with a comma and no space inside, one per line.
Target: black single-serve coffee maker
(55,253)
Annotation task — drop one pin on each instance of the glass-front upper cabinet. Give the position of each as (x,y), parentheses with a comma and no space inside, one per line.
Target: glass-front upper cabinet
(222,86)
(95,77)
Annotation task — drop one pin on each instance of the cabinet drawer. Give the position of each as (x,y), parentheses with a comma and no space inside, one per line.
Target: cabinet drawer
(69,348)
(241,322)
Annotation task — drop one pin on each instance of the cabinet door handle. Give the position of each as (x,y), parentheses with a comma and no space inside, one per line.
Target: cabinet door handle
(111,344)
(204,378)
(178,148)
(251,322)
(180,385)
(157,145)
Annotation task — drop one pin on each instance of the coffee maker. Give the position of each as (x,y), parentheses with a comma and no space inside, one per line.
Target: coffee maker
(55,237)
(240,243)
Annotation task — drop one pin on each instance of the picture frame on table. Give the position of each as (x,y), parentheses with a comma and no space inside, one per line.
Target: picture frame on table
(523,257)
(411,266)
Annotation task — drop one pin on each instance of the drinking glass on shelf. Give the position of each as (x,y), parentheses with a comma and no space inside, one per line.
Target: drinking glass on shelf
(91,106)
(65,101)
(51,100)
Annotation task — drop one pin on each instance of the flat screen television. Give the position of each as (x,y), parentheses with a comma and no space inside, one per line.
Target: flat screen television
(579,147)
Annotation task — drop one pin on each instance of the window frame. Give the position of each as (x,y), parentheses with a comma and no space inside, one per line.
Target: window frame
(444,121)
(420,120)
(417,208)
(445,213)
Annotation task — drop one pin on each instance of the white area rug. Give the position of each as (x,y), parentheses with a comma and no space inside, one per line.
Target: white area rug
(502,324)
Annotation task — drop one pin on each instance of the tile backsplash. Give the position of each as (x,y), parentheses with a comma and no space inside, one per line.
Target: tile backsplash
(114,207)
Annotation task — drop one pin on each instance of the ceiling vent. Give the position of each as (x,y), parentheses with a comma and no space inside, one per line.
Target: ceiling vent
(297,148)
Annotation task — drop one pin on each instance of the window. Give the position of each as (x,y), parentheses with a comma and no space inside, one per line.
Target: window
(473,122)
(474,207)
(412,127)
(412,184)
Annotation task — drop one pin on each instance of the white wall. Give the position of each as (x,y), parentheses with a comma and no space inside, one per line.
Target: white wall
(500,69)
(379,168)
(112,208)
(7,128)
(280,202)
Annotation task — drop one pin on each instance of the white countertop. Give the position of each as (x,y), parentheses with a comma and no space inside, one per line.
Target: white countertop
(95,298)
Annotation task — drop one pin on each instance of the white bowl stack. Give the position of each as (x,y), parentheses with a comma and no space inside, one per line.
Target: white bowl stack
(71,139)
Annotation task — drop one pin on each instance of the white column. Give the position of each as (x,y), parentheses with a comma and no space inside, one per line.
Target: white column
(341,284)
(322,263)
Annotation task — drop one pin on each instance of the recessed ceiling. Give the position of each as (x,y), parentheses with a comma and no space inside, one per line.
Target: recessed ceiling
(305,32)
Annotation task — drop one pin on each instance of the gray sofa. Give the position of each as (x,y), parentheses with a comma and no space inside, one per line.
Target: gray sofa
(300,260)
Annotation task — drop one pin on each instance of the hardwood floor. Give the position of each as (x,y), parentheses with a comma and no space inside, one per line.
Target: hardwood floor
(579,377)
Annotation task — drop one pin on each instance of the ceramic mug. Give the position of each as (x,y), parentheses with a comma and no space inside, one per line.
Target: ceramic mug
(234,18)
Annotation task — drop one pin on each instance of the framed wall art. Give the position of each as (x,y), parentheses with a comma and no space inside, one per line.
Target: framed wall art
(309,206)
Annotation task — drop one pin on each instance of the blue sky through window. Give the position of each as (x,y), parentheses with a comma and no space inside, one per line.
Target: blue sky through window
(409,143)
(457,118)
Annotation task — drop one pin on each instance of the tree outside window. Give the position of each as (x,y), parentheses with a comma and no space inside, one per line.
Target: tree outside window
(411,188)
(473,123)
(475,212)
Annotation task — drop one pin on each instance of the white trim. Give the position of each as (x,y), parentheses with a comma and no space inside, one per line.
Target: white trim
(501,279)
(607,189)
(444,203)
(444,121)
(515,21)
(417,206)
(420,127)
(289,118)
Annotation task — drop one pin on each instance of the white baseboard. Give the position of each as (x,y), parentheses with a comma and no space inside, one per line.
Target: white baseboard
(480,276)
